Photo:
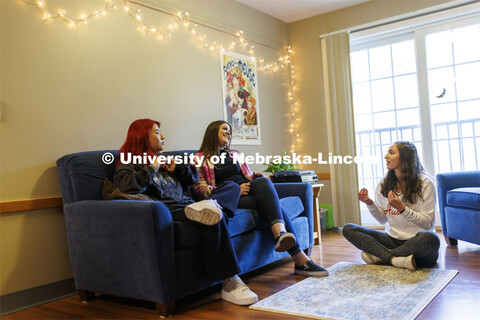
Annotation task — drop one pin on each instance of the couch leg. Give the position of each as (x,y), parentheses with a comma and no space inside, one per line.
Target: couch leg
(86,296)
(165,310)
(308,251)
(451,241)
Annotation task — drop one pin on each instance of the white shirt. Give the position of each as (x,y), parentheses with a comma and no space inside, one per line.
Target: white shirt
(419,216)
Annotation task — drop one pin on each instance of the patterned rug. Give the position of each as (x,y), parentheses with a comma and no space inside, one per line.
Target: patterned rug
(359,291)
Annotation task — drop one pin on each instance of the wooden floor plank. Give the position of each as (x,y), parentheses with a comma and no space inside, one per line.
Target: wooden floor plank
(459,300)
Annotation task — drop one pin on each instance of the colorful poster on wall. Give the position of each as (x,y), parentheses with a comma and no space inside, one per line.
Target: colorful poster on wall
(240,97)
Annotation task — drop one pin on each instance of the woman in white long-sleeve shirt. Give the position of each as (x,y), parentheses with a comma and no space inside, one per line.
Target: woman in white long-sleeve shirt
(405,202)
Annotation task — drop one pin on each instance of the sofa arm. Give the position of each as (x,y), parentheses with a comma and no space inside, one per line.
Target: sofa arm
(450,181)
(123,248)
(304,191)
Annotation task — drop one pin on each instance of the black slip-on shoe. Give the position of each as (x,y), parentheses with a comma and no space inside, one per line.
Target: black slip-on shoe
(285,241)
(310,269)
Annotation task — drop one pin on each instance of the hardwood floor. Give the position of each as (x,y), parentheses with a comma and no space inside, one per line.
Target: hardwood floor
(459,300)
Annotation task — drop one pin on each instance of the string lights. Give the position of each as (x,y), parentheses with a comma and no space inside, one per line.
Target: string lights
(181,19)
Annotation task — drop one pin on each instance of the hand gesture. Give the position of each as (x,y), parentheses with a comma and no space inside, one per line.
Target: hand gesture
(166,164)
(257,175)
(363,196)
(169,167)
(245,189)
(395,201)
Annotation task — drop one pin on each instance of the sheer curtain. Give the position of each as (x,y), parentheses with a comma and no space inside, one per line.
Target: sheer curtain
(340,126)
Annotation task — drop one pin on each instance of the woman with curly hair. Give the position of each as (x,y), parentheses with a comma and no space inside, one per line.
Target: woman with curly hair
(405,202)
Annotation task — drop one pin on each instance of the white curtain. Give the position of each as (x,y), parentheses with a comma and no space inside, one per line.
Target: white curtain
(340,126)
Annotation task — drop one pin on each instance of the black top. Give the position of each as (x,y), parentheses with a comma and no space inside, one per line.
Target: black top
(228,171)
(161,185)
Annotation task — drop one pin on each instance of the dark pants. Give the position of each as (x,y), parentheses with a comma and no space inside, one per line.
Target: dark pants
(263,196)
(218,253)
(424,245)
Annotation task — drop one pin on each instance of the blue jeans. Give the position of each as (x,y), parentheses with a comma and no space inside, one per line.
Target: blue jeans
(263,196)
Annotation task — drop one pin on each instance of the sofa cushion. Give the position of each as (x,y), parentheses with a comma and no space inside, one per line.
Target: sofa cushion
(188,235)
(292,206)
(464,197)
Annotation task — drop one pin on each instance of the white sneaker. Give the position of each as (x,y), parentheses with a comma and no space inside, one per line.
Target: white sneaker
(371,259)
(207,212)
(234,290)
(404,262)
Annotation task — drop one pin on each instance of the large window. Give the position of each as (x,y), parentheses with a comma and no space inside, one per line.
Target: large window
(421,86)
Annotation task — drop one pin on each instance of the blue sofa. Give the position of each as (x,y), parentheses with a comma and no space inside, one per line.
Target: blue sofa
(459,204)
(133,249)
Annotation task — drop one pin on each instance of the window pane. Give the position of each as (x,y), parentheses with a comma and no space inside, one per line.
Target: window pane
(443,113)
(443,151)
(467,129)
(382,95)
(361,98)
(384,120)
(407,135)
(476,128)
(468,80)
(417,134)
(455,155)
(365,139)
(469,157)
(441,132)
(408,117)
(466,43)
(404,57)
(477,145)
(386,139)
(441,85)
(381,62)
(453,131)
(438,47)
(406,92)
(419,150)
(363,123)
(469,110)
(359,66)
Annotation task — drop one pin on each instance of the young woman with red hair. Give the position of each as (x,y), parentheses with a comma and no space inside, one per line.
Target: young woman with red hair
(167,183)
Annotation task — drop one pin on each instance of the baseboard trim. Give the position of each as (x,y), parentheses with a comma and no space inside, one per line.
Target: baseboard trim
(32,297)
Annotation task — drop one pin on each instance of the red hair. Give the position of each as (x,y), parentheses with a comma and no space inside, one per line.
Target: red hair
(137,142)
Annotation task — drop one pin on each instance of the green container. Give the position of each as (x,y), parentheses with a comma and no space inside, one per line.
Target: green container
(329,214)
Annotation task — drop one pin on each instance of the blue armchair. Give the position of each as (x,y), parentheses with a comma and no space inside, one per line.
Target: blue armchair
(459,204)
(133,249)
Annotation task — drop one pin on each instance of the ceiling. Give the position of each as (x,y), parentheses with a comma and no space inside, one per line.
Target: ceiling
(294,10)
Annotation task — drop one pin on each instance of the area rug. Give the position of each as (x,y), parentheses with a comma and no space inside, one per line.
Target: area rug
(359,291)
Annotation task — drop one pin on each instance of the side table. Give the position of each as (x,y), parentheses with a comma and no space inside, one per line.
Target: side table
(317,236)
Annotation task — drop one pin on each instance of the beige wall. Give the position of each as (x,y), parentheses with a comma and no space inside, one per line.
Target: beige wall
(304,39)
(65,91)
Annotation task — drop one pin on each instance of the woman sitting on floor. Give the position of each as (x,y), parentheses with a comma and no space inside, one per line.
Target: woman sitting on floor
(405,202)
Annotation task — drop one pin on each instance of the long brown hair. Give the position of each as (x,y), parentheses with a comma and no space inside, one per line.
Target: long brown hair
(411,169)
(210,145)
